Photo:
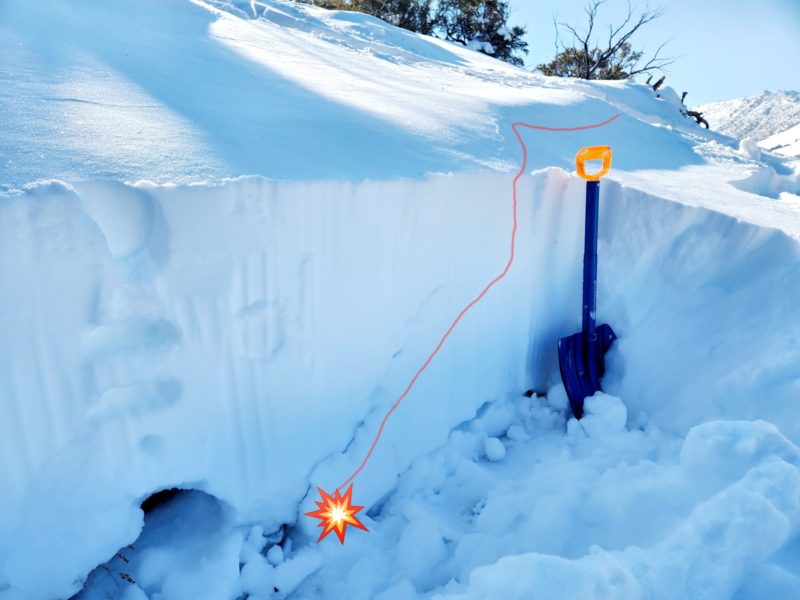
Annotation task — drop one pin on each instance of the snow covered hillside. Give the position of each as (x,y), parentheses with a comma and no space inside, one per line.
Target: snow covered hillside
(229,238)
(772,119)
(785,142)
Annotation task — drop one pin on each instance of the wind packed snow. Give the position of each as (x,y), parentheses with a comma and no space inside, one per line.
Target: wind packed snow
(232,232)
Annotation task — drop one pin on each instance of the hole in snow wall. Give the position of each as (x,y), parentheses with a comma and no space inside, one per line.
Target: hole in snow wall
(241,335)
(185,549)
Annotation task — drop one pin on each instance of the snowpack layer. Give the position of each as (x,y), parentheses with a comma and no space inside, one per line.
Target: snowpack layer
(245,339)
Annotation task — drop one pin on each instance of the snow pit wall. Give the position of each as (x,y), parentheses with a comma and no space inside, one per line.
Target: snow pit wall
(246,339)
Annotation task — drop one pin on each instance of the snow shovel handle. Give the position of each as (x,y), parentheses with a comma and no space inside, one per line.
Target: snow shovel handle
(590,261)
(590,237)
(593,153)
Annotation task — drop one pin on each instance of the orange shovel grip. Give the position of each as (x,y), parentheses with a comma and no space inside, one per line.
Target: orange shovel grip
(593,153)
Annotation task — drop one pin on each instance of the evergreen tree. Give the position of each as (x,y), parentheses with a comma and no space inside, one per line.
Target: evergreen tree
(482,25)
(479,24)
(414,15)
(575,62)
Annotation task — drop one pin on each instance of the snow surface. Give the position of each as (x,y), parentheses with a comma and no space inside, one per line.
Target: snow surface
(331,191)
(786,142)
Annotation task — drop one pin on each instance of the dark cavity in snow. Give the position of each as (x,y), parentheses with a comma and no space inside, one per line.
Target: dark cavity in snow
(180,525)
(161,498)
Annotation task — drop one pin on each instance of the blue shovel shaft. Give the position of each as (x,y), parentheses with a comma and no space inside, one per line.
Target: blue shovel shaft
(590,264)
(581,355)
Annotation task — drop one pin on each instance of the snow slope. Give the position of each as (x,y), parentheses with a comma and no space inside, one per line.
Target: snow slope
(769,118)
(785,142)
(180,92)
(243,336)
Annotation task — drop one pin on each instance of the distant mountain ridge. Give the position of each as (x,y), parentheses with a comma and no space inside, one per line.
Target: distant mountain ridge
(757,117)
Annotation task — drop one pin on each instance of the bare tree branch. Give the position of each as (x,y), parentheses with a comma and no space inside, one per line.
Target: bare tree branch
(612,33)
(698,117)
(558,38)
(655,63)
(614,46)
(585,57)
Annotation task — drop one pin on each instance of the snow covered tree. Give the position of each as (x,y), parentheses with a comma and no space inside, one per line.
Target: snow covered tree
(572,62)
(478,24)
(414,15)
(482,25)
(615,58)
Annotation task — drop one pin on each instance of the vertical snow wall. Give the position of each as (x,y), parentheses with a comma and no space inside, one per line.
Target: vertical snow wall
(238,338)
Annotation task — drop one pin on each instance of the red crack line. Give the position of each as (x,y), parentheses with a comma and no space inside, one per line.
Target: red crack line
(515,127)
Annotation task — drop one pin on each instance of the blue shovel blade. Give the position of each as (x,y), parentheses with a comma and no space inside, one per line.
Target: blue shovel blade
(581,372)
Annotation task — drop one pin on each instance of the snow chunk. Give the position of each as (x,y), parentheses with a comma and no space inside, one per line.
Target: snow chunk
(257,576)
(603,415)
(497,418)
(557,397)
(518,433)
(275,555)
(719,452)
(481,46)
(292,572)
(494,449)
(420,547)
(749,147)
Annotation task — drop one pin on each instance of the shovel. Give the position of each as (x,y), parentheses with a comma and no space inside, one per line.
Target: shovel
(581,356)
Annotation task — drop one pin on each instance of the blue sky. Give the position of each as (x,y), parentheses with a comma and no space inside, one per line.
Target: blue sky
(725,48)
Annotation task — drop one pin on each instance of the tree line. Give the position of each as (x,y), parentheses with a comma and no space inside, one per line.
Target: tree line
(478,24)
(483,25)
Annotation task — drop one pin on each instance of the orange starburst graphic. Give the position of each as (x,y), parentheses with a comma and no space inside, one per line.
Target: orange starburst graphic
(336,513)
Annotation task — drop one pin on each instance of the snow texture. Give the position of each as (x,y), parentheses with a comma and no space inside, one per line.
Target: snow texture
(331,192)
